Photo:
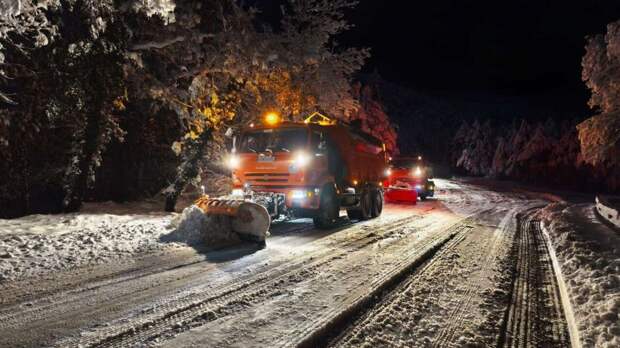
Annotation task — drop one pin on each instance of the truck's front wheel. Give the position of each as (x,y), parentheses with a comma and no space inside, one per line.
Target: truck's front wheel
(329,209)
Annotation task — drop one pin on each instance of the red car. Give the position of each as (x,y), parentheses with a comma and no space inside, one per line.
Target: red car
(408,179)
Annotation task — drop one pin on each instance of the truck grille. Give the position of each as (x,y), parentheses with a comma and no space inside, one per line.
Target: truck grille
(267,177)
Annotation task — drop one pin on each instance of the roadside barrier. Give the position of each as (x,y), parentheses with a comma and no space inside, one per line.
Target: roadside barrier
(609,209)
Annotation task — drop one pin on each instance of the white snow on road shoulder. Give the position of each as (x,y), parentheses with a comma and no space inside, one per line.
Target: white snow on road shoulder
(589,256)
(39,244)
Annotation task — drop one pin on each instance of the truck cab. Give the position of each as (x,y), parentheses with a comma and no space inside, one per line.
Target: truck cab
(410,177)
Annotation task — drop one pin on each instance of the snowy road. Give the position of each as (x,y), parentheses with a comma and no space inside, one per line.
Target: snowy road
(469,268)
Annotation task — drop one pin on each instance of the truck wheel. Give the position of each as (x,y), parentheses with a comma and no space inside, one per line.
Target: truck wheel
(329,209)
(365,208)
(377,202)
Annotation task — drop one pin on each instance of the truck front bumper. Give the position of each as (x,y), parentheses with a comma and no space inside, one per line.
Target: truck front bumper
(281,201)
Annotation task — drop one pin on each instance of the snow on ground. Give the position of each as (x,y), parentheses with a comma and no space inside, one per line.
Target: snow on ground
(39,244)
(44,244)
(35,245)
(589,256)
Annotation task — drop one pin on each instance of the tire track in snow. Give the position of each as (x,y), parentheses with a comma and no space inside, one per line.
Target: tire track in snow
(435,304)
(454,323)
(210,305)
(534,317)
(319,333)
(573,329)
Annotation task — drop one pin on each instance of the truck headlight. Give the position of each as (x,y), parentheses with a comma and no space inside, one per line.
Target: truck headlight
(232,162)
(237,192)
(388,172)
(301,159)
(298,194)
(417,171)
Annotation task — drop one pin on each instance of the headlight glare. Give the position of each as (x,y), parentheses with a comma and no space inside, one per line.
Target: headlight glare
(232,162)
(301,159)
(298,194)
(417,171)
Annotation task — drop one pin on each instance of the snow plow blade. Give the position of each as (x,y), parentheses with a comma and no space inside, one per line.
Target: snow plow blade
(249,220)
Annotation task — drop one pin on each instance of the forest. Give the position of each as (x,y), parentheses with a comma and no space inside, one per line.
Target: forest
(125,100)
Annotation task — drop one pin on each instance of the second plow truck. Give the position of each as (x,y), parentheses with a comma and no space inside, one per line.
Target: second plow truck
(309,169)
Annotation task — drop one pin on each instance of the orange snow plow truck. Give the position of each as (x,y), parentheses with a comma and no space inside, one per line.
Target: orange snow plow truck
(309,169)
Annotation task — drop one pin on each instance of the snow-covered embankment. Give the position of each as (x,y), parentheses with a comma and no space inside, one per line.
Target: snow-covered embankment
(589,256)
(37,245)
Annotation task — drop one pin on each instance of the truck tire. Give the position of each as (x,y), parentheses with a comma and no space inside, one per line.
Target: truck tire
(365,207)
(377,202)
(329,209)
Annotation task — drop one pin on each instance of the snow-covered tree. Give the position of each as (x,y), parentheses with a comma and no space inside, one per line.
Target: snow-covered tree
(62,72)
(600,134)
(479,149)
(373,118)
(533,159)
(498,166)
(517,142)
(459,143)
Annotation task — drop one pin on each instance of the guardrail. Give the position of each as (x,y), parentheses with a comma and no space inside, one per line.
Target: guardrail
(609,209)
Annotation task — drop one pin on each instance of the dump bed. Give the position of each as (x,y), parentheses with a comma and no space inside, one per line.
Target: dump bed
(363,156)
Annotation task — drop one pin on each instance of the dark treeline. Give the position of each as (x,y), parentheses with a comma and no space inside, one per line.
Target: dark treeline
(536,152)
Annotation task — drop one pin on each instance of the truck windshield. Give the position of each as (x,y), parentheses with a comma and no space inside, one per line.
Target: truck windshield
(286,140)
(406,163)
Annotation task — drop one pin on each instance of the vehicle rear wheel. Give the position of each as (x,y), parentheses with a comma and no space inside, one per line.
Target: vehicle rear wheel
(329,209)
(377,202)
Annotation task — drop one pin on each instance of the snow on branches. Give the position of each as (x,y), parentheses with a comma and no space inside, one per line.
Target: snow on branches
(600,134)
(373,117)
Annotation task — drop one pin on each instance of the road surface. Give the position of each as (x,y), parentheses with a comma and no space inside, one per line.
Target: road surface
(470,267)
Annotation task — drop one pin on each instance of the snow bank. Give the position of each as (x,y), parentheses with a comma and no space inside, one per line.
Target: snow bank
(589,256)
(194,227)
(39,244)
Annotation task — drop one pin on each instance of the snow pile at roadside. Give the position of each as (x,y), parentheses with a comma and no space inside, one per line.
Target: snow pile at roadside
(194,227)
(40,244)
(589,255)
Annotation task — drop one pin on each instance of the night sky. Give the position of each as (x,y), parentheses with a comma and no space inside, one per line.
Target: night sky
(510,47)
(518,48)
